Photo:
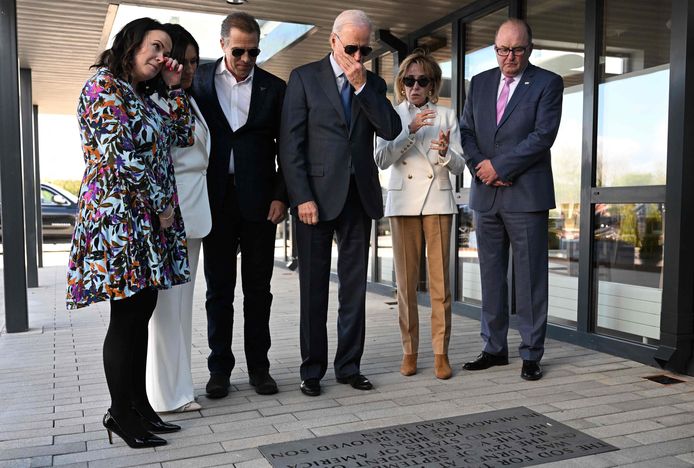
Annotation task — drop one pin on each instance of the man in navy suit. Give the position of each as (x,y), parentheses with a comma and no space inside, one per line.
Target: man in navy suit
(331,112)
(241,104)
(511,118)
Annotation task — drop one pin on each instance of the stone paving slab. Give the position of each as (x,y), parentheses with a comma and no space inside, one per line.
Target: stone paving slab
(54,391)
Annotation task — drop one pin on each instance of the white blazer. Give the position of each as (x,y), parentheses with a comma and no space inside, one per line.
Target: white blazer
(421,181)
(190,169)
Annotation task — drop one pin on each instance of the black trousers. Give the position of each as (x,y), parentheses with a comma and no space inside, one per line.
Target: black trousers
(351,229)
(256,240)
(125,352)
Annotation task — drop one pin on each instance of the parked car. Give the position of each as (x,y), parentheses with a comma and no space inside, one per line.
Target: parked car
(58,212)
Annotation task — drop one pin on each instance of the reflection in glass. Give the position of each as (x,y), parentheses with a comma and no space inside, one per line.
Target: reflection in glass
(633,93)
(469,285)
(479,56)
(558,47)
(628,242)
(384,252)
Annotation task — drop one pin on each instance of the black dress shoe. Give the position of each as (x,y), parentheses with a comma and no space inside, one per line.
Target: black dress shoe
(485,361)
(217,386)
(310,387)
(142,439)
(531,370)
(263,382)
(357,381)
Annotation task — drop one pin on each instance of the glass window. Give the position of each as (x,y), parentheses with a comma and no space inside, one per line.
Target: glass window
(47,197)
(479,56)
(628,242)
(558,36)
(633,93)
(384,252)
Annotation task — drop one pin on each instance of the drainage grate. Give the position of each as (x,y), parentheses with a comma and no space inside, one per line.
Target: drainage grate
(664,379)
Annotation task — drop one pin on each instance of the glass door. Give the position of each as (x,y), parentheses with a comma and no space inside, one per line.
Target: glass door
(478,39)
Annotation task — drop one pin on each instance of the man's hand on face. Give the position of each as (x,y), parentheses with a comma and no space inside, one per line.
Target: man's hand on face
(354,69)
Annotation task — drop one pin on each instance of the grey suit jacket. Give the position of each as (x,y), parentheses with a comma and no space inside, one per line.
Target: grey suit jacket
(519,147)
(318,145)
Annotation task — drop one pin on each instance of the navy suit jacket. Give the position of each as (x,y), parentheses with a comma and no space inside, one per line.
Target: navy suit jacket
(258,180)
(519,147)
(318,144)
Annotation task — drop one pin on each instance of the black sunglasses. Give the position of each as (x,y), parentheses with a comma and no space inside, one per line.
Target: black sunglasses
(351,49)
(409,81)
(238,52)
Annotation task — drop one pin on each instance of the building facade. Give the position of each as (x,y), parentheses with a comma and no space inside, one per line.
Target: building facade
(621,274)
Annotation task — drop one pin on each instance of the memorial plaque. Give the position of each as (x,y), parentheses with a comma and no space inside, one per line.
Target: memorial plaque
(510,438)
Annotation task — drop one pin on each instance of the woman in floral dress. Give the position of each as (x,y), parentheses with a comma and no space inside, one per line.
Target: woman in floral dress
(129,240)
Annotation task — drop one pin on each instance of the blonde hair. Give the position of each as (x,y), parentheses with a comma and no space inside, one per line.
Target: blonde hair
(431,69)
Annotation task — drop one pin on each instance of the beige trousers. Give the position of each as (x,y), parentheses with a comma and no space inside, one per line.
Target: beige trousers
(407,233)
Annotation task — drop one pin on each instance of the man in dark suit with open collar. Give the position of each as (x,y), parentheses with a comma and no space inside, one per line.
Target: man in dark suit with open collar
(241,104)
(511,118)
(331,112)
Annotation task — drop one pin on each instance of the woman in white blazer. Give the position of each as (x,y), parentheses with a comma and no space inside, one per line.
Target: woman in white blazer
(420,203)
(169,380)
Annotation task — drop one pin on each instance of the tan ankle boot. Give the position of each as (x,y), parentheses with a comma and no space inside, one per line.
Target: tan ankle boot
(442,369)
(409,364)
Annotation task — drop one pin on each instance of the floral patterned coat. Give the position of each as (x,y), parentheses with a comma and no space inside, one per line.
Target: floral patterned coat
(118,248)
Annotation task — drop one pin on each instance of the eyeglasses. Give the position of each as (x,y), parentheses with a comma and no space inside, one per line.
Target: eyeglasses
(504,51)
(351,49)
(238,52)
(409,81)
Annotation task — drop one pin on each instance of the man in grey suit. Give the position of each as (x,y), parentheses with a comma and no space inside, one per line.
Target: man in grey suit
(332,109)
(507,149)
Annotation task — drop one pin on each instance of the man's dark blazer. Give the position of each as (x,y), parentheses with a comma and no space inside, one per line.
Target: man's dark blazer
(519,150)
(519,147)
(318,144)
(258,181)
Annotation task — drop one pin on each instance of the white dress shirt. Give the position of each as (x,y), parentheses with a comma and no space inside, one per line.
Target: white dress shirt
(234,98)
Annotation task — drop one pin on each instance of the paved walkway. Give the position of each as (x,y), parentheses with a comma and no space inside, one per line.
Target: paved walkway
(54,393)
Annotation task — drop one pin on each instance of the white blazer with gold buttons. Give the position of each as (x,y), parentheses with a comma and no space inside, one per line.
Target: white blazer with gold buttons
(421,181)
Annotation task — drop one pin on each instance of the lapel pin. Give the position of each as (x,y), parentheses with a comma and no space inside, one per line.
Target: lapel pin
(527,82)
(263,88)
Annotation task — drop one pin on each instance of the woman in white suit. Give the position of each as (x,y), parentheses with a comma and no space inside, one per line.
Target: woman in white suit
(420,203)
(169,380)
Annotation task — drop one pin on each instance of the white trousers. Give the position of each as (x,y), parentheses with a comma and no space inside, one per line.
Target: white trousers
(169,379)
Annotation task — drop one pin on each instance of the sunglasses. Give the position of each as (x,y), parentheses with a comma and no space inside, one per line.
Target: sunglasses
(351,49)
(409,81)
(238,52)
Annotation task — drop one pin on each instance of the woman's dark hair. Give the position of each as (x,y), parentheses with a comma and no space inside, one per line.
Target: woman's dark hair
(180,40)
(119,58)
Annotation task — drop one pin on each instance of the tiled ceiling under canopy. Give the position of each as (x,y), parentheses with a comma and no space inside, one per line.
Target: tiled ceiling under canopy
(59,41)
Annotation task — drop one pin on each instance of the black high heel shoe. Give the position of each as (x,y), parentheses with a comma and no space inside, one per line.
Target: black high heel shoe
(133,441)
(157,426)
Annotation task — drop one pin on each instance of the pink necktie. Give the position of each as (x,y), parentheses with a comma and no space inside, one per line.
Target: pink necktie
(503,98)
